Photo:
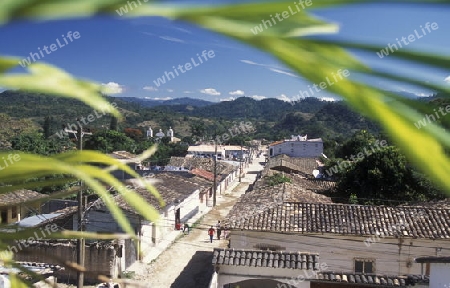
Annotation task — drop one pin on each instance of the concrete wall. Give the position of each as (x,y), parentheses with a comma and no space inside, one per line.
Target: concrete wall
(149,233)
(297,149)
(440,275)
(392,256)
(263,277)
(98,259)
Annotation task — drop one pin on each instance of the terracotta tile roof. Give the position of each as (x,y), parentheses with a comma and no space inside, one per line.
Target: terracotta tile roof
(361,220)
(203,173)
(299,165)
(445,203)
(264,197)
(276,143)
(122,155)
(173,187)
(312,184)
(64,213)
(19,196)
(370,279)
(262,258)
(201,163)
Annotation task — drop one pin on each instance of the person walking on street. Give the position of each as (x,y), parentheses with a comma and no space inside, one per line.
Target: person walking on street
(186,228)
(211,233)
(219,231)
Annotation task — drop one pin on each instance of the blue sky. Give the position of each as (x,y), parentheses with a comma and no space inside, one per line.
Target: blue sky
(130,54)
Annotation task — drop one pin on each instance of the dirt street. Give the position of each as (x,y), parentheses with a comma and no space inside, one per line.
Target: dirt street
(187,262)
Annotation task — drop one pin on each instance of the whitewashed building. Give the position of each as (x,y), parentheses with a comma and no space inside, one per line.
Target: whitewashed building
(206,151)
(297,146)
(361,244)
(349,238)
(183,194)
(438,268)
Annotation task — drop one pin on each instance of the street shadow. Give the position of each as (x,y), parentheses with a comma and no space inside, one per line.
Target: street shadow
(197,273)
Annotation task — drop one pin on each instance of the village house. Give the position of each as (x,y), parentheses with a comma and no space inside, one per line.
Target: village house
(297,146)
(438,268)
(360,244)
(185,196)
(19,204)
(206,151)
(304,166)
(226,172)
(224,152)
(349,238)
(263,269)
(182,194)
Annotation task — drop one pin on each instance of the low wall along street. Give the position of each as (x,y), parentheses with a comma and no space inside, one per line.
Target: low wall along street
(100,259)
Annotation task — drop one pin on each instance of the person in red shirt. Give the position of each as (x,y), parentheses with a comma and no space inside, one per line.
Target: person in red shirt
(211,232)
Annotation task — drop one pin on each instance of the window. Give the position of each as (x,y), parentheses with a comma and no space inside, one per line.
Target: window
(364,266)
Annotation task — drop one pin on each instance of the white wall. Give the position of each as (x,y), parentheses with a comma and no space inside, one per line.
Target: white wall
(298,149)
(440,275)
(392,256)
(295,277)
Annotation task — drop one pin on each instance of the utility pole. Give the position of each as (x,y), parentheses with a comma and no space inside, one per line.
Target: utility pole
(240,165)
(215,174)
(80,242)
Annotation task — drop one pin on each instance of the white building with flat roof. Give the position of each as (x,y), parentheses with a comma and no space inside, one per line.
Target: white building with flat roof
(206,151)
(297,146)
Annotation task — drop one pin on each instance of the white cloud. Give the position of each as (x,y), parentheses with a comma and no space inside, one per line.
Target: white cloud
(188,92)
(249,62)
(150,88)
(170,90)
(237,92)
(284,98)
(112,88)
(183,30)
(283,72)
(272,68)
(163,99)
(210,91)
(173,39)
(227,99)
(447,79)
(257,97)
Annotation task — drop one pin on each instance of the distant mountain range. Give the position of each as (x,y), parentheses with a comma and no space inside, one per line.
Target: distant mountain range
(272,118)
(145,102)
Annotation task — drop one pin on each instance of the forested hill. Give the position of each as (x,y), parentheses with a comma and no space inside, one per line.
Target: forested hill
(272,118)
(269,109)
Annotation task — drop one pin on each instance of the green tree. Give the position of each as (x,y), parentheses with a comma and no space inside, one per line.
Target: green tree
(383,177)
(48,126)
(277,178)
(113,124)
(36,143)
(357,143)
(198,130)
(109,141)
